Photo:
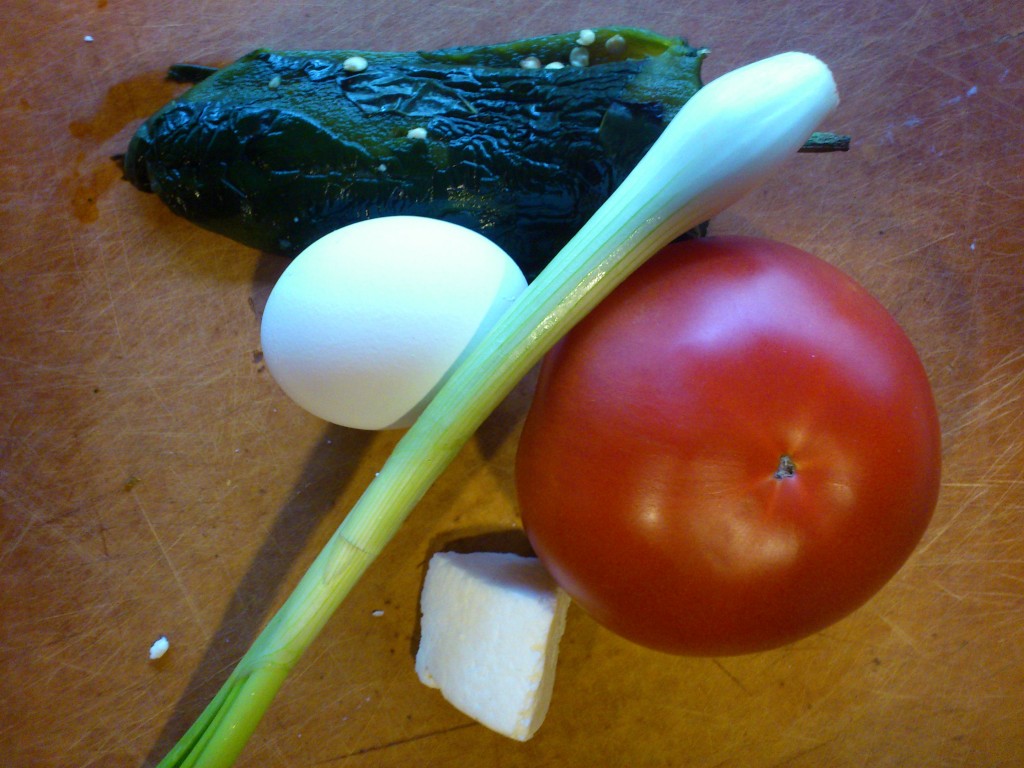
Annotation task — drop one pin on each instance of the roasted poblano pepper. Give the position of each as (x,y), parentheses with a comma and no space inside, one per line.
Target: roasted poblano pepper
(280,148)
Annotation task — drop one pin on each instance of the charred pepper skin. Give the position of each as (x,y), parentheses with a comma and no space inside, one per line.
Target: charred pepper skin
(280,148)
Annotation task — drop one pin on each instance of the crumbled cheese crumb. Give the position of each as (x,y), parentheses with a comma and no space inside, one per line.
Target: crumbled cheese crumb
(417,133)
(615,45)
(159,648)
(580,57)
(378,613)
(275,83)
(530,62)
(489,637)
(587,37)
(555,65)
(355,64)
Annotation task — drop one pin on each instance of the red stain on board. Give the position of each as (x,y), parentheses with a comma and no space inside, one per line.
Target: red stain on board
(85,188)
(131,100)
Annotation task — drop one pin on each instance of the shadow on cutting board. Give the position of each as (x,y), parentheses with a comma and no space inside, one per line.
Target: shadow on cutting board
(324,478)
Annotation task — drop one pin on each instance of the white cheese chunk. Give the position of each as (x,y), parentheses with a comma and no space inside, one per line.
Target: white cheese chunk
(489,637)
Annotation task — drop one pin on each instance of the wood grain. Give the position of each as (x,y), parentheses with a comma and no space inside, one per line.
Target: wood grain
(153,480)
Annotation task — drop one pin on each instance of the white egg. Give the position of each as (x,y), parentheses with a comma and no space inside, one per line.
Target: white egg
(364,325)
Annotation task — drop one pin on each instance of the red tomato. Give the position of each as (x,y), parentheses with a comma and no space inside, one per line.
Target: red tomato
(734,450)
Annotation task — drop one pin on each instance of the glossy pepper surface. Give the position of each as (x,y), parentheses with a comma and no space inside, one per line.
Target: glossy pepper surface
(520,141)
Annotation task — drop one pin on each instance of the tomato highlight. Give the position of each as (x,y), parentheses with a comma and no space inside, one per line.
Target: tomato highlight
(734,450)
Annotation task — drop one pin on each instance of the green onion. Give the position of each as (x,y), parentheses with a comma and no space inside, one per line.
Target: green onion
(732,135)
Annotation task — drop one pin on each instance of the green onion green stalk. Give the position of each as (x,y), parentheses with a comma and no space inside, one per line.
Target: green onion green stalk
(730,137)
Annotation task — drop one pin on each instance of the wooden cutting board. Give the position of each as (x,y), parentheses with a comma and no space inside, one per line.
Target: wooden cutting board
(154,481)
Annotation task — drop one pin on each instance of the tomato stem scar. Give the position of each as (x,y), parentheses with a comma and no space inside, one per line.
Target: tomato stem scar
(786,468)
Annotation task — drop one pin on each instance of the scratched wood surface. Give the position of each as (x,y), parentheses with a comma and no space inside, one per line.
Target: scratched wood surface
(153,480)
